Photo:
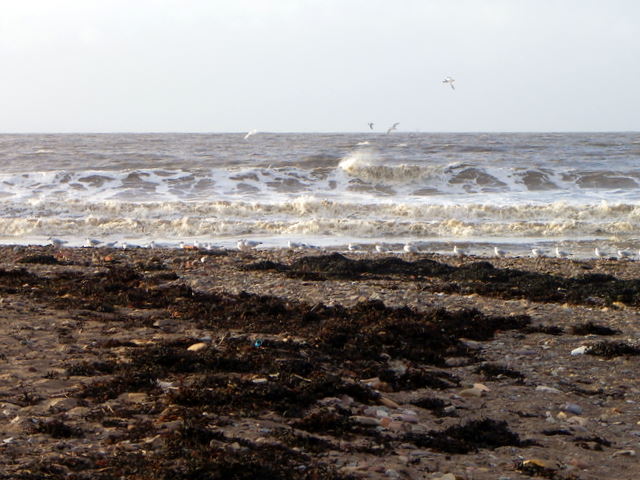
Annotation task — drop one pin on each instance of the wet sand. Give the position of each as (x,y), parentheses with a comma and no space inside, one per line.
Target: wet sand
(144,364)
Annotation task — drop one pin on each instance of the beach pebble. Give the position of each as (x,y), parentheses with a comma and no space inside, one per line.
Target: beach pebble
(472,392)
(78,412)
(391,473)
(448,476)
(134,397)
(624,453)
(578,421)
(579,351)
(545,389)
(62,403)
(387,402)
(362,420)
(572,408)
(408,418)
(398,367)
(196,347)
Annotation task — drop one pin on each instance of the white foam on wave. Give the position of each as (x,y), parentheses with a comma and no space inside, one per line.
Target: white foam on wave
(315,216)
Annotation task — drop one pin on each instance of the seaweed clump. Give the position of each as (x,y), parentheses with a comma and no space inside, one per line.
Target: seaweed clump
(470,437)
(495,371)
(609,349)
(40,259)
(58,429)
(590,328)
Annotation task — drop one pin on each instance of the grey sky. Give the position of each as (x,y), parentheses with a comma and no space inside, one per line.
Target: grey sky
(319,65)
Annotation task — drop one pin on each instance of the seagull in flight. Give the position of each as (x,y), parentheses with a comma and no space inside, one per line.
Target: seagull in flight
(370,125)
(450,81)
(249,133)
(393,127)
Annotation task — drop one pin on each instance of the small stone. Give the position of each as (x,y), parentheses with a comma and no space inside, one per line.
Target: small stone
(472,392)
(62,403)
(397,426)
(580,421)
(579,351)
(133,397)
(448,476)
(259,381)
(409,418)
(385,422)
(624,453)
(481,387)
(196,347)
(365,420)
(572,408)
(545,389)
(387,402)
(78,412)
(537,462)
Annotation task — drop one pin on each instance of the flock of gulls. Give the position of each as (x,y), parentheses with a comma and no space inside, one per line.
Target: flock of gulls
(245,245)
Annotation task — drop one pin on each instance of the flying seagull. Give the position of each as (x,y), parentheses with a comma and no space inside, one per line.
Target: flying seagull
(393,127)
(370,125)
(249,133)
(450,81)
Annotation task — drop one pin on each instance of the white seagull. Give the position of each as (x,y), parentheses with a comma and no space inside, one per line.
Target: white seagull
(410,248)
(597,253)
(623,254)
(381,248)
(458,252)
(245,245)
(450,81)
(536,252)
(296,245)
(91,242)
(498,253)
(370,125)
(57,242)
(249,133)
(393,127)
(561,253)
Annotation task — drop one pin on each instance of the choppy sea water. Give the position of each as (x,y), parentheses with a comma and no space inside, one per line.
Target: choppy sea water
(476,190)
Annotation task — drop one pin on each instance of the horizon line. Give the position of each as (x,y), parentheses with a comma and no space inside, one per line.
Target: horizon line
(327,132)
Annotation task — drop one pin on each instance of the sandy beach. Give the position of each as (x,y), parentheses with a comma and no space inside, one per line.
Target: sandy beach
(188,364)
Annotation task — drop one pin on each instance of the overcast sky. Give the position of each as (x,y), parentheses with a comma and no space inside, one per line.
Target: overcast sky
(319,65)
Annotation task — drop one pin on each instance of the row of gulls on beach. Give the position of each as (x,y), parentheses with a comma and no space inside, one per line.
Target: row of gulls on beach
(245,245)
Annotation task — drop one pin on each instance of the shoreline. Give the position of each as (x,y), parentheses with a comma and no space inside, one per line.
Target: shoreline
(315,365)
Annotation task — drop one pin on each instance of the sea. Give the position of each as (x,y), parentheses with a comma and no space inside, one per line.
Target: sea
(475,190)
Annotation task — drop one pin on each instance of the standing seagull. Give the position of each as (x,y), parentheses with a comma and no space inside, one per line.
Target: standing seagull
(370,125)
(393,127)
(57,242)
(250,132)
(450,81)
(499,253)
(458,252)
